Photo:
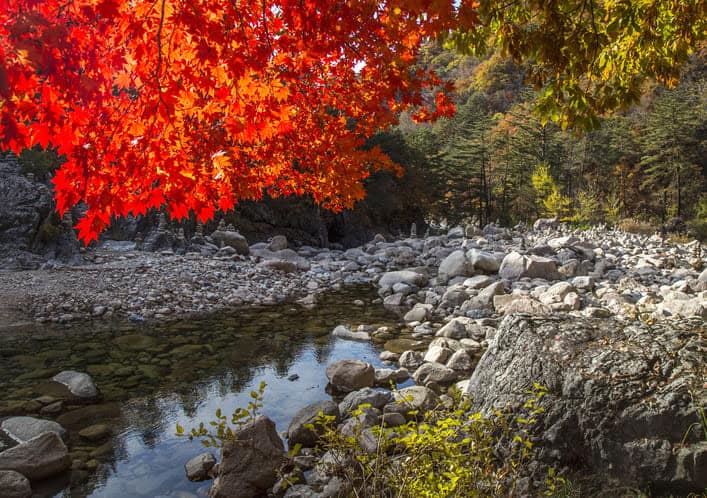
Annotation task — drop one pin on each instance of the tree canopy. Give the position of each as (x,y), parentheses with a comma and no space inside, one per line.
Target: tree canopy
(196,104)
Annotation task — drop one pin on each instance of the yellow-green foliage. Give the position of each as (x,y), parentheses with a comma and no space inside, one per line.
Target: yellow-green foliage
(451,451)
(221,431)
(698,226)
(548,193)
(542,181)
(556,204)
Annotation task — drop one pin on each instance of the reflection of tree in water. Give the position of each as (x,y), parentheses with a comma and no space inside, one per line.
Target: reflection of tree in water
(145,414)
(322,351)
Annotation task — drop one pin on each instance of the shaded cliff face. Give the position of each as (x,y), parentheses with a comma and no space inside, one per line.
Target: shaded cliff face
(29,231)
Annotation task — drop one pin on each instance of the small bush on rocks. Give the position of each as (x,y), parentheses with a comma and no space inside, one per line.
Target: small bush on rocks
(448,451)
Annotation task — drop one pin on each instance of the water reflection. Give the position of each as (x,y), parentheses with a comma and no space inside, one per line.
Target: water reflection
(155,376)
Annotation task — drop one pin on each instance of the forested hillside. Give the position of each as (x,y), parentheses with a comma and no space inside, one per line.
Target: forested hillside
(498,160)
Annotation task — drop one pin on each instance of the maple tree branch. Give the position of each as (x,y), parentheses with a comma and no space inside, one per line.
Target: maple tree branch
(159,48)
(265,25)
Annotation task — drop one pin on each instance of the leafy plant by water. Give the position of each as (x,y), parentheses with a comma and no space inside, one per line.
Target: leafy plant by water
(448,451)
(219,430)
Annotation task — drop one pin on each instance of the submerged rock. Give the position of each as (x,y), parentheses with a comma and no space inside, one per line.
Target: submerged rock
(23,429)
(620,397)
(96,432)
(14,485)
(80,384)
(344,332)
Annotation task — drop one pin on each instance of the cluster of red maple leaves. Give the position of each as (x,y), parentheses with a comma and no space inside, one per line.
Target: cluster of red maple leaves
(195,104)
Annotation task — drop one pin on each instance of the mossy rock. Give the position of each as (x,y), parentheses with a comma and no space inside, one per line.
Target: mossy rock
(152,372)
(96,432)
(101,370)
(403,344)
(87,415)
(135,342)
(189,350)
(42,373)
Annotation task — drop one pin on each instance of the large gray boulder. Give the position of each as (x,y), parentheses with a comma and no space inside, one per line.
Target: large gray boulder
(350,375)
(233,239)
(484,299)
(297,433)
(515,266)
(24,205)
(369,396)
(250,462)
(414,398)
(14,485)
(412,278)
(40,457)
(23,429)
(455,265)
(621,396)
(434,372)
(483,261)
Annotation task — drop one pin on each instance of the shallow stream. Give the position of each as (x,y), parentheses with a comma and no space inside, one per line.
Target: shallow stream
(153,376)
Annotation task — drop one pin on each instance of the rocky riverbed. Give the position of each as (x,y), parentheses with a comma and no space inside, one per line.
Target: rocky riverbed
(610,317)
(477,274)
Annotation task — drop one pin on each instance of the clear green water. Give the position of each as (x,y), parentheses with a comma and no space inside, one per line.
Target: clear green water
(153,376)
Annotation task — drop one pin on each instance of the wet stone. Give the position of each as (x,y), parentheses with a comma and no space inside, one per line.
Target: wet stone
(135,342)
(104,449)
(23,429)
(95,432)
(403,344)
(82,417)
(14,485)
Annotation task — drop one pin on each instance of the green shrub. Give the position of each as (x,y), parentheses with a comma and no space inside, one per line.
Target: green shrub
(450,451)
(39,162)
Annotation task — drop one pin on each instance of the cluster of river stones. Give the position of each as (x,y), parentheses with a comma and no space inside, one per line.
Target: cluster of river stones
(597,271)
(40,450)
(611,322)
